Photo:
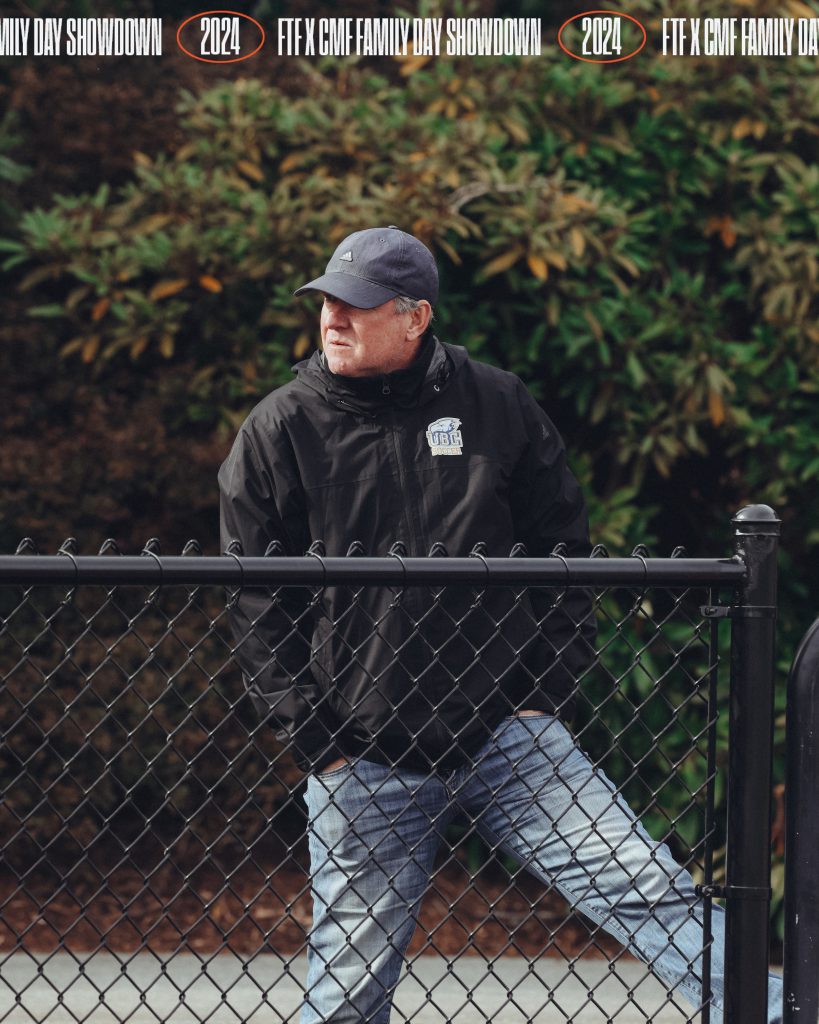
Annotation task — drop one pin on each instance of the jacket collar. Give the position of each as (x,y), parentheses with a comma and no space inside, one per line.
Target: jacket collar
(416,385)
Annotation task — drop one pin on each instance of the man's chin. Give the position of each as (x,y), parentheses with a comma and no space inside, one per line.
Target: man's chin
(341,363)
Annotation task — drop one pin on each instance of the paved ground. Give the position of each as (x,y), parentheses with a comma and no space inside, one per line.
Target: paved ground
(100,989)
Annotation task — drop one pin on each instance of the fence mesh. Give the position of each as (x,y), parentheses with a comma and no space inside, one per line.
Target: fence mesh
(154,832)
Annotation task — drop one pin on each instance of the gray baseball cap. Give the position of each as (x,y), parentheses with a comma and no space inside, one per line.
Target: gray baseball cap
(371,266)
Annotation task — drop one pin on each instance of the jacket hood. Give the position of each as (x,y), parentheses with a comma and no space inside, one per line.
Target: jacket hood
(416,385)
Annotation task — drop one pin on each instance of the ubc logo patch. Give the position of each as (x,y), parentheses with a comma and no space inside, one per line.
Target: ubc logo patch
(444,437)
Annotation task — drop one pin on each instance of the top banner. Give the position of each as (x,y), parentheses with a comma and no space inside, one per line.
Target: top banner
(222,37)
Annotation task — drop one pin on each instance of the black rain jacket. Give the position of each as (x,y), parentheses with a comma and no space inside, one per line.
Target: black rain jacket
(450,450)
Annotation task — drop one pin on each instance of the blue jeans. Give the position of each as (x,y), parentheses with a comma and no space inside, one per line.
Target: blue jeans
(374,832)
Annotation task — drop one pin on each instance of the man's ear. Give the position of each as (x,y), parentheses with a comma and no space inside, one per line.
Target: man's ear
(419,320)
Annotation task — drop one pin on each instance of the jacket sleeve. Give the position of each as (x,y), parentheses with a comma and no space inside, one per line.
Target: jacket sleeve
(262,502)
(548,510)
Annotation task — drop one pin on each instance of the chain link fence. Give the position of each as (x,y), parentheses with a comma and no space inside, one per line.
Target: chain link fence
(155,861)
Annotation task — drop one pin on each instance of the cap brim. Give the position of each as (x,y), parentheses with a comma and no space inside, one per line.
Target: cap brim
(353,290)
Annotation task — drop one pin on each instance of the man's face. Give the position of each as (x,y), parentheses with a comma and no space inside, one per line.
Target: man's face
(367,342)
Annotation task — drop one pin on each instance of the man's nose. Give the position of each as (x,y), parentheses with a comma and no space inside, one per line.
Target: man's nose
(336,313)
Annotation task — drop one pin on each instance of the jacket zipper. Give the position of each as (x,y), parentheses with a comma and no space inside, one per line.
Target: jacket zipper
(412,598)
(409,515)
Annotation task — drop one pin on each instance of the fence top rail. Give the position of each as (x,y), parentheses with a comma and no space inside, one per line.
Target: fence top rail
(150,569)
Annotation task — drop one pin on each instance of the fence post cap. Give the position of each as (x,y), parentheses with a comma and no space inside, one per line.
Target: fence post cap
(757,519)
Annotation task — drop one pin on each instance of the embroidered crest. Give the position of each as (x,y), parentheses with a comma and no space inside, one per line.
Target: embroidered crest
(444,437)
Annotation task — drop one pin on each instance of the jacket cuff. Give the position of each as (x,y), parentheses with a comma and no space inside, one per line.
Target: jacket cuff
(315,747)
(326,757)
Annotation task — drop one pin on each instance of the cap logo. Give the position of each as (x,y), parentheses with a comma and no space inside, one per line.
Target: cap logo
(444,437)
(348,256)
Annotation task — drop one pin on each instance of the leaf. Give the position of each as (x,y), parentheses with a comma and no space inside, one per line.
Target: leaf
(743,127)
(100,308)
(636,372)
(166,345)
(184,153)
(52,309)
(39,275)
(90,347)
(71,346)
(746,126)
(14,261)
(302,346)
(800,10)
(75,297)
(413,63)
(574,203)
(151,224)
(516,130)
(557,260)
(11,245)
(503,262)
(602,403)
(292,161)
(716,408)
(210,284)
(629,264)
(594,323)
(252,171)
(452,253)
(726,228)
(138,346)
(718,379)
(538,266)
(423,229)
(577,241)
(164,289)
(101,239)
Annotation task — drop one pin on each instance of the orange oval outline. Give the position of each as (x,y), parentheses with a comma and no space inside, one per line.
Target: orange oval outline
(213,60)
(594,60)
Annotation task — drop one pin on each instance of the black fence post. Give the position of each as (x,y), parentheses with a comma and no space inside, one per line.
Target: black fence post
(800,976)
(748,861)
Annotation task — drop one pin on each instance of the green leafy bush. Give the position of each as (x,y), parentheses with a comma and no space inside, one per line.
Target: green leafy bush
(641,249)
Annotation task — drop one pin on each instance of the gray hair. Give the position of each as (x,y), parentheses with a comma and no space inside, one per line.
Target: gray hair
(404,304)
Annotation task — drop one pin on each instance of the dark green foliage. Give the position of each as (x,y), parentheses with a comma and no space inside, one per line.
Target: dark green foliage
(641,251)
(12,173)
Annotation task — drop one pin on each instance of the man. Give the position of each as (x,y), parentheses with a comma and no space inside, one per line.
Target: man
(409,708)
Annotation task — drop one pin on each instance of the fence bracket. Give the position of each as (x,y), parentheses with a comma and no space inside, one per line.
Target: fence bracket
(738,611)
(734,892)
